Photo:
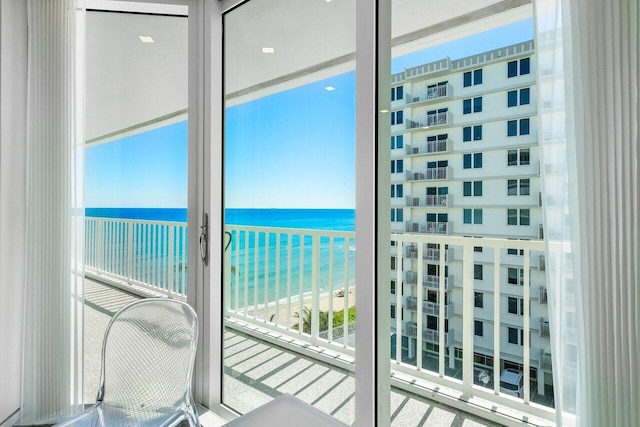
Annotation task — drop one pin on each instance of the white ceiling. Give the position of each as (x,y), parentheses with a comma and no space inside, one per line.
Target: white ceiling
(130,82)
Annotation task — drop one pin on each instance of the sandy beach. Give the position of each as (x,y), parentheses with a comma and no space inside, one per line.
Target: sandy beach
(325,303)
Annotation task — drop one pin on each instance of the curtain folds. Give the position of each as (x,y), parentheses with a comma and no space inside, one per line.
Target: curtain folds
(588,82)
(52,347)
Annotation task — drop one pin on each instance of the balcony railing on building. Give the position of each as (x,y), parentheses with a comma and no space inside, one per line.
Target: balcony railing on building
(431,94)
(542,295)
(438,119)
(544,328)
(436,201)
(265,287)
(429,147)
(428,307)
(431,254)
(545,361)
(429,335)
(430,174)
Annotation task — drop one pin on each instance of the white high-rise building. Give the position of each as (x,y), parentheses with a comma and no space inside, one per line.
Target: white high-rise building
(464,150)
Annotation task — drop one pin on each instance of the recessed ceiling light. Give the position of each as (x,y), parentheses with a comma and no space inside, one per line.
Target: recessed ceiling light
(146,39)
(328,1)
(268,50)
(384,111)
(329,88)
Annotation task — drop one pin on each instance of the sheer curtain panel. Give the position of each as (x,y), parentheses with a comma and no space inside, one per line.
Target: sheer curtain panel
(52,348)
(588,80)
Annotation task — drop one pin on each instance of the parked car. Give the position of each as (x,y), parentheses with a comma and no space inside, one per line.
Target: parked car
(511,382)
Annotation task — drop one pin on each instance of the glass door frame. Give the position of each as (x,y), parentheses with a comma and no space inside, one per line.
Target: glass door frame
(373,47)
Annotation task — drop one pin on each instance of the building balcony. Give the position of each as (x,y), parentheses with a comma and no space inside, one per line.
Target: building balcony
(436,201)
(428,307)
(433,227)
(545,361)
(430,254)
(429,147)
(265,323)
(429,335)
(542,295)
(544,328)
(430,174)
(438,119)
(433,94)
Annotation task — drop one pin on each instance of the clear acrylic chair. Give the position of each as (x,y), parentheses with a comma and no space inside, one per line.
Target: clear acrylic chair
(147,361)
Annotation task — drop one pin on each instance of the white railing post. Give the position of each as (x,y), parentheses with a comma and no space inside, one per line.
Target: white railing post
(399,246)
(315,292)
(171,260)
(130,250)
(99,244)
(467,319)
(496,320)
(419,322)
(526,327)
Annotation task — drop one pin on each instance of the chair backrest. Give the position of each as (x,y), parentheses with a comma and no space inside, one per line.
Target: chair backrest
(147,356)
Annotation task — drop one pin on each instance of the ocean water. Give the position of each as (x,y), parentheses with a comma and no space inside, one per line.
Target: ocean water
(251,256)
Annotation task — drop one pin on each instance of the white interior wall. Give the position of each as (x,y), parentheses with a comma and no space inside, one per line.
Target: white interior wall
(13,96)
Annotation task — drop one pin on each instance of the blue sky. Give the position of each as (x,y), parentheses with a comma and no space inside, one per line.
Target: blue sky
(293,149)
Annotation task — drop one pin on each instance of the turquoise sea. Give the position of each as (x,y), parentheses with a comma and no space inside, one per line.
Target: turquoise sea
(252,255)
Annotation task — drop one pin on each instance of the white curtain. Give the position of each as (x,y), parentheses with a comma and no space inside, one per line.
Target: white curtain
(588,82)
(52,350)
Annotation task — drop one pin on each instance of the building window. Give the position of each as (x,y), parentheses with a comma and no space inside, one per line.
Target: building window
(472,77)
(478,299)
(397,141)
(512,97)
(396,190)
(518,157)
(472,188)
(515,276)
(512,127)
(477,328)
(397,166)
(524,68)
(397,215)
(513,336)
(393,263)
(517,187)
(512,251)
(477,104)
(397,93)
(472,216)
(397,117)
(478,272)
(518,216)
(472,133)
(472,161)
(393,311)
(515,306)
(476,248)
(467,105)
(393,287)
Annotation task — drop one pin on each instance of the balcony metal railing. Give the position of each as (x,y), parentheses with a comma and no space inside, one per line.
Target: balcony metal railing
(436,201)
(429,147)
(431,254)
(544,328)
(433,227)
(265,286)
(428,307)
(438,119)
(431,94)
(545,362)
(429,335)
(149,255)
(542,295)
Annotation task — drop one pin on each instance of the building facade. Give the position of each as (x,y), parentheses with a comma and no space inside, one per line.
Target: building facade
(464,162)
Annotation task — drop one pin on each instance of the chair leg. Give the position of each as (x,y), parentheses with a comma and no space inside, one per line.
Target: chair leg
(192,414)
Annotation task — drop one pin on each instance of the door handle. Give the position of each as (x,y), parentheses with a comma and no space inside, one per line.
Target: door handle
(204,239)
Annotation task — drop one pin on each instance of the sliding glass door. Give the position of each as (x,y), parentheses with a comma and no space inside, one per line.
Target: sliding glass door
(289,205)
